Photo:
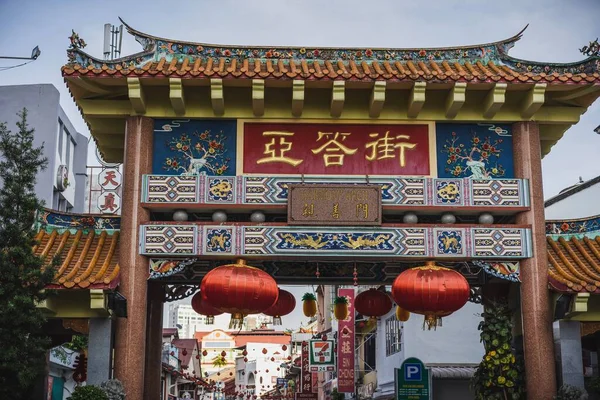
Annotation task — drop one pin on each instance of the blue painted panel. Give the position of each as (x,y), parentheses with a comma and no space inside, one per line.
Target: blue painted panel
(192,147)
(477,151)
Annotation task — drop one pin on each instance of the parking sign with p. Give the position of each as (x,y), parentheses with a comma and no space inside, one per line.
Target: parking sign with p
(412,381)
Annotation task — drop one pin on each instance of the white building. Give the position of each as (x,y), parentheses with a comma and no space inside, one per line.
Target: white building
(577,201)
(452,352)
(259,374)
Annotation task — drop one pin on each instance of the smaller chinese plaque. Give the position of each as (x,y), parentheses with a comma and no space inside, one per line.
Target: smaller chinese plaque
(319,204)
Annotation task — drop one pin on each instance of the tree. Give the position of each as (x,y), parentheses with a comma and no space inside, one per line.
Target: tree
(22,274)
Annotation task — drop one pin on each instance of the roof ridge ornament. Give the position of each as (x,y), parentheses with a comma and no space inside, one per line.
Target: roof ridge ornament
(591,50)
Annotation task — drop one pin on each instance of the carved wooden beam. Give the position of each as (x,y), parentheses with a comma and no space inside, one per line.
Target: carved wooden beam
(297,98)
(377,99)
(176,95)
(494,100)
(456,99)
(417,99)
(136,95)
(258,97)
(98,299)
(337,98)
(534,100)
(216,96)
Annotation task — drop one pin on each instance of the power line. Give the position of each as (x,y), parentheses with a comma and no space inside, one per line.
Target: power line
(15,66)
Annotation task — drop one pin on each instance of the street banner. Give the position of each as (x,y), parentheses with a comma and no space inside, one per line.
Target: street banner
(345,347)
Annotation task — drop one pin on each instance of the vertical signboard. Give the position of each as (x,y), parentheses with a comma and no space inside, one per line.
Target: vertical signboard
(306,386)
(345,347)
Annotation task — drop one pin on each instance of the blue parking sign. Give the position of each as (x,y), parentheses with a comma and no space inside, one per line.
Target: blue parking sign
(412,381)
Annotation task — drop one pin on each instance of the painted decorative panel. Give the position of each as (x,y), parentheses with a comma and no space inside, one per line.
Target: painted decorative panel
(394,191)
(171,189)
(336,149)
(239,240)
(168,239)
(192,147)
(574,227)
(50,219)
(476,151)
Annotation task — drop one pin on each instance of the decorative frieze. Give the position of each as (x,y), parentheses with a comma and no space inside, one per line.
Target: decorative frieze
(410,192)
(298,242)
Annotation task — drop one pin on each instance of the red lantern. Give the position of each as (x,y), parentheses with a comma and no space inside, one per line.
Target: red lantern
(245,359)
(272,358)
(264,350)
(204,308)
(284,347)
(184,352)
(284,305)
(240,290)
(244,353)
(431,290)
(373,303)
(223,353)
(205,353)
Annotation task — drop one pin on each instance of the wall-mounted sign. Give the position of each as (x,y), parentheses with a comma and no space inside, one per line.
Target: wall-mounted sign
(110,178)
(62,178)
(346,346)
(412,381)
(319,204)
(109,202)
(339,149)
(305,376)
(321,354)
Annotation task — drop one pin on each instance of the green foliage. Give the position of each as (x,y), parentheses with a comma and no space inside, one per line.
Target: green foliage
(340,300)
(219,361)
(22,275)
(78,343)
(500,375)
(309,296)
(335,395)
(593,384)
(568,392)
(88,393)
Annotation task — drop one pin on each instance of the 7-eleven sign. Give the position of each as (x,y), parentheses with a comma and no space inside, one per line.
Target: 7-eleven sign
(322,355)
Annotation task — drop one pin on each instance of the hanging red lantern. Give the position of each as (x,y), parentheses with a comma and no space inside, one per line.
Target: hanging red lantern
(197,356)
(432,291)
(184,352)
(205,353)
(240,290)
(244,353)
(284,305)
(289,357)
(272,358)
(284,347)
(223,353)
(245,359)
(264,350)
(373,303)
(204,308)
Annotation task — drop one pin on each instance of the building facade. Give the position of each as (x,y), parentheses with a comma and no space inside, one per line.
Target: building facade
(62,185)
(423,156)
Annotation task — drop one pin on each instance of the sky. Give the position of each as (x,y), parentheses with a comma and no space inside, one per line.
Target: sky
(557,29)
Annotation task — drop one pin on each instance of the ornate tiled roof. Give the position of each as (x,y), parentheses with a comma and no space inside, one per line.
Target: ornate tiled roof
(88,260)
(479,63)
(574,264)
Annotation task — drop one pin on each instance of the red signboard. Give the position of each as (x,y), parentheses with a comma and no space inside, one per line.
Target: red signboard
(336,149)
(345,349)
(306,376)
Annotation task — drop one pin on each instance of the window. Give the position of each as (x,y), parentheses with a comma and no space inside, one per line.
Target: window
(393,336)
(370,351)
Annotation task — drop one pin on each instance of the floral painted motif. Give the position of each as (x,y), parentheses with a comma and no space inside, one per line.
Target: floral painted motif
(579,226)
(474,151)
(49,218)
(194,147)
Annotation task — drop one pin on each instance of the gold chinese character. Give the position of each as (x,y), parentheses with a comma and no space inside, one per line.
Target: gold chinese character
(336,211)
(282,146)
(362,208)
(333,145)
(384,147)
(308,210)
(346,348)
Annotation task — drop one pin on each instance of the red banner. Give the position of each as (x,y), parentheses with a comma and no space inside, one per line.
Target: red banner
(336,149)
(306,376)
(345,349)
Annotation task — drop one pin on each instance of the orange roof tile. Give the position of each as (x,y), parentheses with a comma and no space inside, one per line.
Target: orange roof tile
(87,260)
(318,70)
(574,264)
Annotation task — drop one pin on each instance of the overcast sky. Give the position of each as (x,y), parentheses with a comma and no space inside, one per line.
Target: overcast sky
(558,28)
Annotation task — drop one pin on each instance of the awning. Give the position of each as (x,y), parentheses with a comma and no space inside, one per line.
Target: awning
(461,371)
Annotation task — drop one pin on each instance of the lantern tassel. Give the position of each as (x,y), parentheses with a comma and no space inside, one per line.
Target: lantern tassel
(277,320)
(237,321)
(432,322)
